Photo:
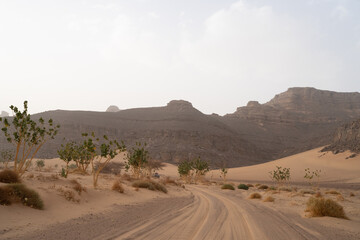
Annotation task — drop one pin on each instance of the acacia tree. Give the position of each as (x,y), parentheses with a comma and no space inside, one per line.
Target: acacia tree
(67,153)
(100,153)
(185,170)
(27,135)
(137,159)
(200,167)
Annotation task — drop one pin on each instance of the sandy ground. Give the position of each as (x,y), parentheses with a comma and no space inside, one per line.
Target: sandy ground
(202,211)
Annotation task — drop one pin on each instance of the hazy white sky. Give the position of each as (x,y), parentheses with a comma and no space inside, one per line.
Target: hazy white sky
(87,55)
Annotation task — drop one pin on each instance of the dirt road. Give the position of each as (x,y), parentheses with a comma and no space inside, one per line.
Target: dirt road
(208,213)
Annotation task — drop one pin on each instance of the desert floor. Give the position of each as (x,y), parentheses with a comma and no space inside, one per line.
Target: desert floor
(198,211)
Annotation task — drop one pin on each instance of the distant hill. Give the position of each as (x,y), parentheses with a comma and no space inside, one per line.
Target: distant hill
(294,121)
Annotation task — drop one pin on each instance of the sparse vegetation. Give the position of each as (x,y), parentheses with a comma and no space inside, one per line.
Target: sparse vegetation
(151,185)
(352,194)
(333,192)
(228,186)
(137,159)
(319,207)
(269,199)
(117,186)
(310,175)
(255,196)
(280,175)
(307,191)
(263,187)
(28,136)
(5,157)
(197,168)
(19,192)
(40,164)
(9,176)
(185,170)
(249,185)
(68,195)
(77,186)
(223,173)
(243,186)
(200,167)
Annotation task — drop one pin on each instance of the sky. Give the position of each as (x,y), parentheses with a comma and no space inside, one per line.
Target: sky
(218,55)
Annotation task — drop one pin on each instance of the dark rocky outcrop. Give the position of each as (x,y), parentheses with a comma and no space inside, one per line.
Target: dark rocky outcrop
(347,137)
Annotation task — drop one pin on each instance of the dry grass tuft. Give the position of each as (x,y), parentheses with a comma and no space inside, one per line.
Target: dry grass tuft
(307,191)
(249,185)
(318,195)
(68,194)
(228,186)
(269,199)
(333,192)
(9,176)
(77,186)
(319,207)
(151,185)
(126,177)
(255,196)
(352,194)
(263,187)
(118,187)
(340,198)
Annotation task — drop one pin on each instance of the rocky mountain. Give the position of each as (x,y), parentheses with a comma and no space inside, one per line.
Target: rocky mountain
(112,108)
(294,121)
(347,137)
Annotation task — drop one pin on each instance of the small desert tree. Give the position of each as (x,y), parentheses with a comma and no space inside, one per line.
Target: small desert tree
(185,170)
(137,159)
(5,157)
(27,135)
(153,165)
(223,173)
(100,153)
(200,167)
(67,153)
(280,175)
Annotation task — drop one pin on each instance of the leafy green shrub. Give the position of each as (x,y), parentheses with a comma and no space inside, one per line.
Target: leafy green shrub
(9,176)
(228,186)
(319,207)
(263,187)
(243,186)
(18,191)
(151,185)
(280,175)
(255,196)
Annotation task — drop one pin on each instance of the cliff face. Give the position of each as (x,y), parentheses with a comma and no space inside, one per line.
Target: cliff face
(294,121)
(347,137)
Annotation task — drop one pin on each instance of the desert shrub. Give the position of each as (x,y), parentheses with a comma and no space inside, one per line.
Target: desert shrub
(257,184)
(285,189)
(263,187)
(151,185)
(249,185)
(255,196)
(228,186)
(307,191)
(272,188)
(352,194)
(318,195)
(280,175)
(77,186)
(68,195)
(27,197)
(126,177)
(117,186)
(9,176)
(333,192)
(319,207)
(269,199)
(243,186)
(5,195)
(40,164)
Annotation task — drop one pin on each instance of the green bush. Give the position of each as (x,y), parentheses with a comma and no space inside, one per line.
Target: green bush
(18,191)
(319,207)
(40,164)
(151,185)
(243,186)
(228,186)
(9,176)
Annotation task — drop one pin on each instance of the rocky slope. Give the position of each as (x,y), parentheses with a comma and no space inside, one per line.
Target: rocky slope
(294,121)
(347,137)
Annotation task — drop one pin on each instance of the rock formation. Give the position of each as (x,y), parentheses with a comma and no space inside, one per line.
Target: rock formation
(112,108)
